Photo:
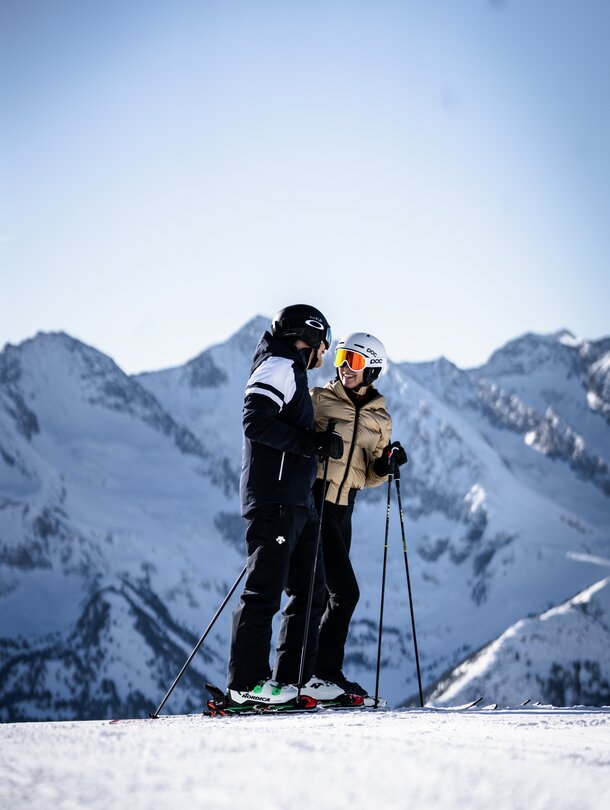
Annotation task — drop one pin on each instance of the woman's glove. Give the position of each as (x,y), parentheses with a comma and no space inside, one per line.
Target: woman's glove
(393,455)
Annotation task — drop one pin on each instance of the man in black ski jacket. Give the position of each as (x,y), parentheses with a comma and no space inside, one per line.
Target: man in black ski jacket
(279,467)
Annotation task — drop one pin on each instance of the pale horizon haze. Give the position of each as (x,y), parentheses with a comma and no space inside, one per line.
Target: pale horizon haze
(431,171)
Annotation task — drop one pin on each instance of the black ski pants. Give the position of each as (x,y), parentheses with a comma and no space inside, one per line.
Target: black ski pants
(342,588)
(281,541)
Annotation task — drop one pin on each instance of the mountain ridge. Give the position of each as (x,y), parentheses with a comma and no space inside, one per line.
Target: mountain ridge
(109,480)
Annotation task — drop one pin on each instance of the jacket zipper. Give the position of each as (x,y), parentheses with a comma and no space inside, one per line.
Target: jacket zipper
(349,458)
(279,478)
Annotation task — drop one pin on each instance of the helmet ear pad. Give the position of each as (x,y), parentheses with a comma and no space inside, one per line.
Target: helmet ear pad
(370,375)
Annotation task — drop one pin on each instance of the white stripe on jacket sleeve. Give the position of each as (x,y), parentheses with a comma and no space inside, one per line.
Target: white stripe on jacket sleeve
(274,378)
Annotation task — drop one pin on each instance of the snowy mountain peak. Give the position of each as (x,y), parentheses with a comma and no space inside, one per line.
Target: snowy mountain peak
(248,336)
(567,338)
(60,362)
(211,368)
(438,375)
(56,379)
(531,352)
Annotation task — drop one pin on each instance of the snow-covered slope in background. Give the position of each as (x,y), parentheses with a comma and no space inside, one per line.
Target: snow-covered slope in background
(120,530)
(563,654)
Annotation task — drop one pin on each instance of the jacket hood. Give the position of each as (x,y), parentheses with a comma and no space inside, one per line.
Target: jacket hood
(268,344)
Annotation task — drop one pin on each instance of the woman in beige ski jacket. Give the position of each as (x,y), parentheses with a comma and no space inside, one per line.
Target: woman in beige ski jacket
(365,426)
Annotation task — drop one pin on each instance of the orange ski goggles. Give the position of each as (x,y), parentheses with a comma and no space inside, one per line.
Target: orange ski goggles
(355,360)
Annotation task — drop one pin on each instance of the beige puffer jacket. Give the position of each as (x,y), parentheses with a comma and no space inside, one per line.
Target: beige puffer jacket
(365,432)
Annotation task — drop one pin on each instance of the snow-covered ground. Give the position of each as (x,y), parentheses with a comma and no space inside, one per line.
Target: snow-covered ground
(535,758)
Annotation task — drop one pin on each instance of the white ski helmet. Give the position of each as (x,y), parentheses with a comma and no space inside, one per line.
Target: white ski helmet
(367,346)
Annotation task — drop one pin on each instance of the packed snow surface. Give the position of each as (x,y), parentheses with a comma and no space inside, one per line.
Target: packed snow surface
(535,758)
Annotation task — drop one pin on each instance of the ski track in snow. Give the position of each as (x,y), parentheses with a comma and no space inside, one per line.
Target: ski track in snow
(539,759)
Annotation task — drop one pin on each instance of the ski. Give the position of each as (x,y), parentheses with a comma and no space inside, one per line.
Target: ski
(369,703)
(344,701)
(460,708)
(488,707)
(152,718)
(217,708)
(493,706)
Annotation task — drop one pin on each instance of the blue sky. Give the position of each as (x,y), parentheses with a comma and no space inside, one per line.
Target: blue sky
(436,172)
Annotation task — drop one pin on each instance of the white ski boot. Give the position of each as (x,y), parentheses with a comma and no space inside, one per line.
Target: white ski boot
(265,693)
(321,689)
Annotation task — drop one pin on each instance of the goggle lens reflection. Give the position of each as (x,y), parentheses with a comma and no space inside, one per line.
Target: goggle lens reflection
(355,360)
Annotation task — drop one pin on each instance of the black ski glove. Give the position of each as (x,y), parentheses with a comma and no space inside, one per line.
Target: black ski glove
(323,444)
(394,455)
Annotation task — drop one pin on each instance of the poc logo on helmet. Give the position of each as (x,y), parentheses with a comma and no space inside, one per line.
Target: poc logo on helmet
(314,323)
(377,361)
(370,351)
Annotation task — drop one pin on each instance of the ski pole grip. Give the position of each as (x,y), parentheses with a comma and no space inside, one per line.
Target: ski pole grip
(394,468)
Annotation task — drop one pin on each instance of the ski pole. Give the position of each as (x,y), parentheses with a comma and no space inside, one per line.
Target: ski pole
(329,429)
(155,714)
(385,562)
(404,548)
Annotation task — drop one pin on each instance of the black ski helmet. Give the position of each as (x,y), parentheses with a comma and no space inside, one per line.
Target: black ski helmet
(302,321)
